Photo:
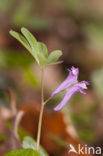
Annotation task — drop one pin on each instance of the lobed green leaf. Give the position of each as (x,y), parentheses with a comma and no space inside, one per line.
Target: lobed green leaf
(21,39)
(23,152)
(37,49)
(43,49)
(54,56)
(32,41)
(28,142)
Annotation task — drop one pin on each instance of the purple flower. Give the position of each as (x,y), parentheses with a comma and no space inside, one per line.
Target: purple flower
(72,91)
(71,79)
(72,86)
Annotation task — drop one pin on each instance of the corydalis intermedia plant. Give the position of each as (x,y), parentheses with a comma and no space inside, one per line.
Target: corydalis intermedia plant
(40,53)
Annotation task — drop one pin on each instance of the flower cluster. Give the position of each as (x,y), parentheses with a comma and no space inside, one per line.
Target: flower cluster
(71,85)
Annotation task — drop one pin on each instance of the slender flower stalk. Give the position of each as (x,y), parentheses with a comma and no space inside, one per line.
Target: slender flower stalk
(46,101)
(41,110)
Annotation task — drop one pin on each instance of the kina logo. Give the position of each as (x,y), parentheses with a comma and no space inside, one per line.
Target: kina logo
(84,149)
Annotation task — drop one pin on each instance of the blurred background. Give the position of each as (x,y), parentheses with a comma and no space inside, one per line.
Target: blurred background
(76,28)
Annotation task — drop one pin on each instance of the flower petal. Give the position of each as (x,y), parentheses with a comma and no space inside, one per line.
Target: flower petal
(71,79)
(70,92)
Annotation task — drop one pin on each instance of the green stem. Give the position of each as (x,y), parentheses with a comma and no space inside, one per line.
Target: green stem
(45,102)
(41,110)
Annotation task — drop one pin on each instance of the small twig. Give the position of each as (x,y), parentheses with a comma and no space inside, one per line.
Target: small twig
(17,122)
(16,116)
(12,102)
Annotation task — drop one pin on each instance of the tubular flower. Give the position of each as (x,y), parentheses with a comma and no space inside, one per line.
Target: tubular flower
(71,79)
(74,87)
